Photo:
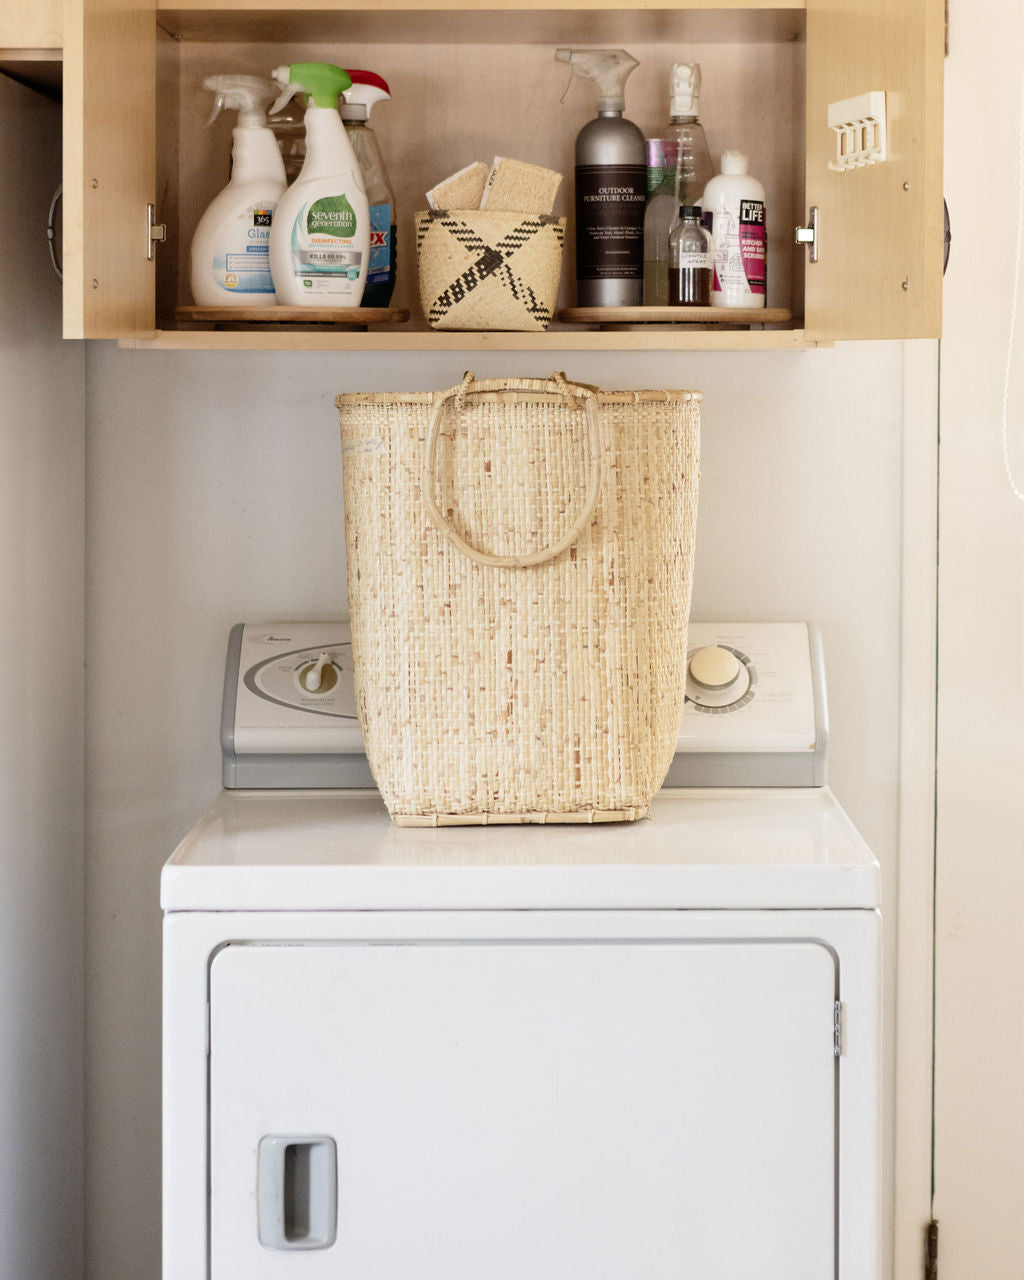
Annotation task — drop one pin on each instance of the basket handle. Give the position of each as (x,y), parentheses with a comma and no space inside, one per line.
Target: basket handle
(555,384)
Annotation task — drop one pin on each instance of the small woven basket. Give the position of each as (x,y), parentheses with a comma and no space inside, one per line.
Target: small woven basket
(485,269)
(520,557)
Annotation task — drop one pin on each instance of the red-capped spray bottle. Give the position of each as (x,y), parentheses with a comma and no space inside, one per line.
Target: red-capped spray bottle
(367,90)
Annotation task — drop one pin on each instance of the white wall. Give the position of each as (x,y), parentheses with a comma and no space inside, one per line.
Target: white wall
(42,508)
(215,496)
(979,1169)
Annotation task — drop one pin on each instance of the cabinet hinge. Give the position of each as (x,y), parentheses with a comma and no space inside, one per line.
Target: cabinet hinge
(809,235)
(156,232)
(839,1028)
(931,1251)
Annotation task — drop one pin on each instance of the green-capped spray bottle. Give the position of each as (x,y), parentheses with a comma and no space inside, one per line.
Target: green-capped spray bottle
(319,242)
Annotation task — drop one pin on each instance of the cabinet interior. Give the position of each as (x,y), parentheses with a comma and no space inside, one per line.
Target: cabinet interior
(472,84)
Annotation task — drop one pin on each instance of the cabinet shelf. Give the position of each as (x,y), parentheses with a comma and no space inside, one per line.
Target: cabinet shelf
(39,69)
(552,340)
(492,22)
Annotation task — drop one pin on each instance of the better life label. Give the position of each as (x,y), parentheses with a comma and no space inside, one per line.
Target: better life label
(752,244)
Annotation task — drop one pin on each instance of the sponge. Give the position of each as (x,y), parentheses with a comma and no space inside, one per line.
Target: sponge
(462,190)
(513,186)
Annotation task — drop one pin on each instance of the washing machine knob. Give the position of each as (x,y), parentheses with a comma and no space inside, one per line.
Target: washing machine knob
(714,667)
(318,677)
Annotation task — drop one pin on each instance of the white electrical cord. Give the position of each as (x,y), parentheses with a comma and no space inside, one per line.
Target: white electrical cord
(1017,492)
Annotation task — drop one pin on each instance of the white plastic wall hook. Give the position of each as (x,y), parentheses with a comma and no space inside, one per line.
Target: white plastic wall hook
(859,126)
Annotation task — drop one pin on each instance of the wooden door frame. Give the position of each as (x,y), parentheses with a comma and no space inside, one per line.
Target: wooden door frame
(914,1014)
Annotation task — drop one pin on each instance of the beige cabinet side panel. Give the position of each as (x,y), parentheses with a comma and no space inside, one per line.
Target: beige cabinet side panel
(31,24)
(109,165)
(880,227)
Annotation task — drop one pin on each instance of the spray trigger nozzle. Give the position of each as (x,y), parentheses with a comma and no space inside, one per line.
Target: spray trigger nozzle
(322,83)
(218,107)
(608,68)
(248,95)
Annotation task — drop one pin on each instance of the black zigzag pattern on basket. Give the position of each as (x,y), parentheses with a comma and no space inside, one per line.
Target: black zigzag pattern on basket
(492,262)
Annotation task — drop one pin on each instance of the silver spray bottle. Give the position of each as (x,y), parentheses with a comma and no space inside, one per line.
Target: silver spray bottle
(611,186)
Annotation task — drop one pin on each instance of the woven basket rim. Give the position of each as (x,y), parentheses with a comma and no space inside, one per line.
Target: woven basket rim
(490,214)
(659,396)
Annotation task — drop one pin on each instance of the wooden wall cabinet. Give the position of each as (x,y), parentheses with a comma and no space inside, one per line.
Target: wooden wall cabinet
(30,25)
(471,80)
(31,38)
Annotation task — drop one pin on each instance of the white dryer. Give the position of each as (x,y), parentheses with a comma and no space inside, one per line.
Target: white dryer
(523,1053)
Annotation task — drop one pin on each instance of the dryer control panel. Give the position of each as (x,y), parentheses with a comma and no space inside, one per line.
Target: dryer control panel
(289,711)
(755,710)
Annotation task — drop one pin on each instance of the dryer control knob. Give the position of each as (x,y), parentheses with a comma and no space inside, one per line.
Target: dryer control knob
(318,677)
(714,667)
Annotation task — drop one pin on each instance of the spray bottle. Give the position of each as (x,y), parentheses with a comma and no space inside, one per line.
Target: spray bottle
(367,90)
(693,159)
(320,238)
(230,248)
(681,170)
(611,186)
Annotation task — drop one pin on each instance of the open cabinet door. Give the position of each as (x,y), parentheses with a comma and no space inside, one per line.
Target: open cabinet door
(880,227)
(109,167)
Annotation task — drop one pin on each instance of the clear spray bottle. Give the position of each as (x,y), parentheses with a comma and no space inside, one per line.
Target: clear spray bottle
(683,171)
(611,186)
(230,247)
(692,157)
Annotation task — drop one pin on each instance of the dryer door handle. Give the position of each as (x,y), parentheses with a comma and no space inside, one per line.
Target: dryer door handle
(297,1191)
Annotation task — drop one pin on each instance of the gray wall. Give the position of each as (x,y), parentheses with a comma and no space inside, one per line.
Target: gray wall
(42,516)
(215,497)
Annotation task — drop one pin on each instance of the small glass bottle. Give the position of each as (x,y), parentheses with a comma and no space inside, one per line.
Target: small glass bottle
(690,261)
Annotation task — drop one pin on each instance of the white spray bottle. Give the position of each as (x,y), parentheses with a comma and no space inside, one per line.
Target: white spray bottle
(319,245)
(230,248)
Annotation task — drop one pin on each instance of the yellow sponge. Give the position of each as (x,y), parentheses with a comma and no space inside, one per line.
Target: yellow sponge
(513,186)
(462,190)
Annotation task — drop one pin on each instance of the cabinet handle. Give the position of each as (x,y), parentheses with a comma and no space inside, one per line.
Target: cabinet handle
(297,1191)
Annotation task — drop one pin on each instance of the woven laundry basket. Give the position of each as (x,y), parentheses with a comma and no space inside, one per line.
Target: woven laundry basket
(487,269)
(520,557)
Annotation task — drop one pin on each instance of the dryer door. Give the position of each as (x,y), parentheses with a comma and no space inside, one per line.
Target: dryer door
(514,1110)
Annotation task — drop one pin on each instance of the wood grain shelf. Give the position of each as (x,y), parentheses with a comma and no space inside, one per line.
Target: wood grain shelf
(395,339)
(337,317)
(638,317)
